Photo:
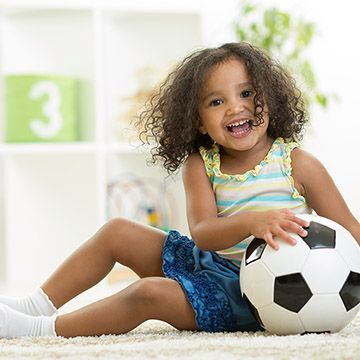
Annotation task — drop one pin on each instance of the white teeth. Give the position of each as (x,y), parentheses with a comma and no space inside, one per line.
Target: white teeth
(238,123)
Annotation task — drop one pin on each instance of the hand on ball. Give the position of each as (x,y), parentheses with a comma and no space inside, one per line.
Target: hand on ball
(277,223)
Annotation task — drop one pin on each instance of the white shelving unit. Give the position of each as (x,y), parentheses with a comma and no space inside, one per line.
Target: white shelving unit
(53,196)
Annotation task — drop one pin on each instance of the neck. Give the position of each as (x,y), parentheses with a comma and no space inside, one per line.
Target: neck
(255,154)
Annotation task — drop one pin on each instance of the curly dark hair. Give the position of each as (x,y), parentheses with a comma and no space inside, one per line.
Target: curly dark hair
(171,118)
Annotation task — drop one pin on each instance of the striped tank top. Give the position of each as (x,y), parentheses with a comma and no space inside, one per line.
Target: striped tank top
(269,186)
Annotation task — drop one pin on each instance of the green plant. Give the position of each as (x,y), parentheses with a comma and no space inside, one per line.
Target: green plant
(285,37)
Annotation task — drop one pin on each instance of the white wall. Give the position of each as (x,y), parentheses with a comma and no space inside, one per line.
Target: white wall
(334,137)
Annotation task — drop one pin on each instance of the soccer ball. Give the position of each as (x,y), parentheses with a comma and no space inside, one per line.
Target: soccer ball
(313,286)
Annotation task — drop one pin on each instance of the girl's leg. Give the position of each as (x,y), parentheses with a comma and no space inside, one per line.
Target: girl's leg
(132,244)
(151,298)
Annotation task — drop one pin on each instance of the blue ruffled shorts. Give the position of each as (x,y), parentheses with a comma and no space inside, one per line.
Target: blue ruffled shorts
(211,284)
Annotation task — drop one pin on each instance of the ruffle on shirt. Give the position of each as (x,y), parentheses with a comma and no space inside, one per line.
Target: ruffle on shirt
(211,160)
(288,170)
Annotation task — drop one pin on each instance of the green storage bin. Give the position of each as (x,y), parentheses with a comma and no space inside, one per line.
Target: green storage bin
(41,108)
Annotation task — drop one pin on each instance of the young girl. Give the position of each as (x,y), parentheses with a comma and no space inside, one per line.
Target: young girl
(232,116)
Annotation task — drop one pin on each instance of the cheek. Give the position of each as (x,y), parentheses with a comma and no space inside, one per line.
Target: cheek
(207,120)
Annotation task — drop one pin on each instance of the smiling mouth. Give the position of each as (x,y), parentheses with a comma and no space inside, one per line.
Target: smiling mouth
(239,127)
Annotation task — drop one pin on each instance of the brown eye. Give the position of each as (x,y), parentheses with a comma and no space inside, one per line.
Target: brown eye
(246,93)
(216,102)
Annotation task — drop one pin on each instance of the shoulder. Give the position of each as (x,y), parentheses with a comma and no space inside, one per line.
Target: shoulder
(193,160)
(193,166)
(195,179)
(306,168)
(304,160)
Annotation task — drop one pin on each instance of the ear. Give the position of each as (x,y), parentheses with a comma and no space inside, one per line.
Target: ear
(202,129)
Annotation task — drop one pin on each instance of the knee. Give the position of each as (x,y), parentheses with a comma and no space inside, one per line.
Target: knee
(115,224)
(115,228)
(110,234)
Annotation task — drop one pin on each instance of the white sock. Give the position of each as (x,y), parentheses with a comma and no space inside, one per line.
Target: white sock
(36,304)
(14,324)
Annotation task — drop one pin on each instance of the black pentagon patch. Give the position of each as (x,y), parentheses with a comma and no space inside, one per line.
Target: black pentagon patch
(254,250)
(320,236)
(253,311)
(350,292)
(291,292)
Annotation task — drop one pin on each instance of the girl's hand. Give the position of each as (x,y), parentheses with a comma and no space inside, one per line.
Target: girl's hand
(277,223)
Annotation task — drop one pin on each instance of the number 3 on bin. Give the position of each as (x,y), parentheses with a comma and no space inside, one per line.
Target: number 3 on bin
(51,109)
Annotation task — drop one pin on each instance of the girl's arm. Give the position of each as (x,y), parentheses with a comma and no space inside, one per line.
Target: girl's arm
(320,191)
(211,232)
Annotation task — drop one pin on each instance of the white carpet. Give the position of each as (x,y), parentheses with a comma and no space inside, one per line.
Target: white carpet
(156,340)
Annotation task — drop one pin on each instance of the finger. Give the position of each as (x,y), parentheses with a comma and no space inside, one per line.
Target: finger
(282,234)
(299,221)
(295,228)
(270,241)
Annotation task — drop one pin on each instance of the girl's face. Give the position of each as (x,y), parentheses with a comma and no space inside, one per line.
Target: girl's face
(227,110)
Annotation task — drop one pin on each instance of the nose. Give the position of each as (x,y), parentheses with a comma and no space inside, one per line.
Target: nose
(235,106)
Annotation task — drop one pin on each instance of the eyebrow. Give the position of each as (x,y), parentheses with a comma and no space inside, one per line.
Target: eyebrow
(215,92)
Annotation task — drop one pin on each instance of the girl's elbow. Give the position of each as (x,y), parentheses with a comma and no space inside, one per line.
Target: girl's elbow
(201,239)
(202,245)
